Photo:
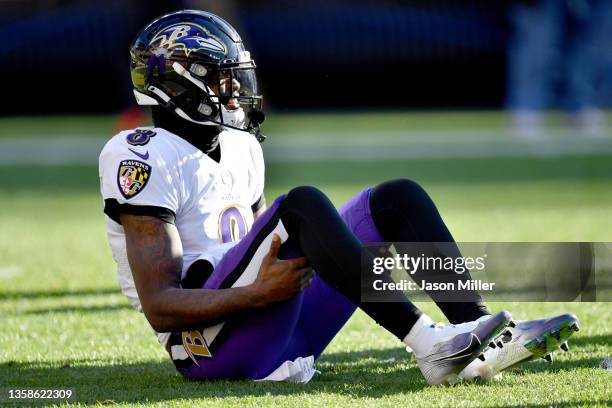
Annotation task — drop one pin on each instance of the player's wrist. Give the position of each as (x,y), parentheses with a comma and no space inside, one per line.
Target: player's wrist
(256,295)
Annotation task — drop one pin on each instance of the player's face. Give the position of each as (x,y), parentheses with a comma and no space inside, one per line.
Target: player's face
(226,87)
(232,89)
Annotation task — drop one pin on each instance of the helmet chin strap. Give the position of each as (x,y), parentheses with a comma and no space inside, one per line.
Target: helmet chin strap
(179,112)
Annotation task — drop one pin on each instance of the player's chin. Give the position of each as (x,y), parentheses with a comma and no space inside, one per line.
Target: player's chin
(232,105)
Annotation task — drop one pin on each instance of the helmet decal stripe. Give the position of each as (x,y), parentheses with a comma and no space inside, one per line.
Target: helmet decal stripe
(188,37)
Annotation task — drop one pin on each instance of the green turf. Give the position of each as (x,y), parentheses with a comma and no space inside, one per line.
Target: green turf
(64,323)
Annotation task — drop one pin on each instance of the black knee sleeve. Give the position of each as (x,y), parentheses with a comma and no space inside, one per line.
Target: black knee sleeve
(305,202)
(403,211)
(309,206)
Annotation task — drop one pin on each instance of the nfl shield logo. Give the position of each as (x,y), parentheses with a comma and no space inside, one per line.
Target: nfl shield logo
(132,177)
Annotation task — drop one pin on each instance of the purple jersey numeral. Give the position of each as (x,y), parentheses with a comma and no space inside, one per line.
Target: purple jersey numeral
(232,226)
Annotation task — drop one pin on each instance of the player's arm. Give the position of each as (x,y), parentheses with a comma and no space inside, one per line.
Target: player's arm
(155,257)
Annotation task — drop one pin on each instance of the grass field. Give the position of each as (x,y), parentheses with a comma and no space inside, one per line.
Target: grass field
(64,322)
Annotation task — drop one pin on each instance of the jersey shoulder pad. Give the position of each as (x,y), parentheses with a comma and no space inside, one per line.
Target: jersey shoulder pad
(136,143)
(135,166)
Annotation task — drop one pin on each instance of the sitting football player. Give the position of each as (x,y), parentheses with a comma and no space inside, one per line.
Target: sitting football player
(227,284)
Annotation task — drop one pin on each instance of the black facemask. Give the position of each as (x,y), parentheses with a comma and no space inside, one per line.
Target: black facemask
(205,138)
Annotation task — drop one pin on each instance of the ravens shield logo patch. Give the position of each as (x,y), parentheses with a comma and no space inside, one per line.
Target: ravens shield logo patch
(132,177)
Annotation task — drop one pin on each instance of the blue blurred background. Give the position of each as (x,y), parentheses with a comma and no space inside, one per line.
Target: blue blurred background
(72,55)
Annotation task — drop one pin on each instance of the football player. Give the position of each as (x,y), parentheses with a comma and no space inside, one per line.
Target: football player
(227,284)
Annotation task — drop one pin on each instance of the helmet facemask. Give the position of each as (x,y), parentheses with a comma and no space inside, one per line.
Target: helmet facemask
(212,94)
(231,93)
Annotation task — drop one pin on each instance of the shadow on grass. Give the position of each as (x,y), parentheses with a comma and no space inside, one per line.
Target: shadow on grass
(573,404)
(34,294)
(589,341)
(76,309)
(370,373)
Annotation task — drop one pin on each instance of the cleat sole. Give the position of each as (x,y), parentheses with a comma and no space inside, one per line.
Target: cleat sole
(551,340)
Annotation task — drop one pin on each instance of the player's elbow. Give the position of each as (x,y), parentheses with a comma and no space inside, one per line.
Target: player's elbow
(158,321)
(156,315)
(160,325)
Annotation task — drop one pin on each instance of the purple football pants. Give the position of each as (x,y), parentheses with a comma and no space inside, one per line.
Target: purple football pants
(255,343)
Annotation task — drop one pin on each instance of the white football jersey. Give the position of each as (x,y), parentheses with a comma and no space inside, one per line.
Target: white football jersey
(211,201)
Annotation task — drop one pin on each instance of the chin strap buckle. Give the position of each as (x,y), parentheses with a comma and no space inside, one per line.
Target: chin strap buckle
(258,135)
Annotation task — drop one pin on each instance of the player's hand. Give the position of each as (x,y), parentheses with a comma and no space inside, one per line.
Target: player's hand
(280,279)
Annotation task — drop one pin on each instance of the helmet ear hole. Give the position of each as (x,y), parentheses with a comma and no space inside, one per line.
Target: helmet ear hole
(208,109)
(198,69)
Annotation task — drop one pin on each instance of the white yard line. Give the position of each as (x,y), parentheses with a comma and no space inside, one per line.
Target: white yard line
(50,151)
(451,149)
(9,271)
(480,143)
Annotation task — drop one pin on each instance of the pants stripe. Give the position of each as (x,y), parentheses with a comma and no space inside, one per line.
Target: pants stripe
(249,271)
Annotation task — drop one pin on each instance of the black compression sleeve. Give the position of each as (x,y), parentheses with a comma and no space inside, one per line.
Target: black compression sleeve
(112,208)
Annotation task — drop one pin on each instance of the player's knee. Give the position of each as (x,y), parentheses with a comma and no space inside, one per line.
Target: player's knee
(306,195)
(405,191)
(402,195)
(405,188)
(306,205)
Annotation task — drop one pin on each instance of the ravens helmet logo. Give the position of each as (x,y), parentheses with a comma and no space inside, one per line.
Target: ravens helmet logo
(188,37)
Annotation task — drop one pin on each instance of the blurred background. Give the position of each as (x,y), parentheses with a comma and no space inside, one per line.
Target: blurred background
(500,109)
(363,54)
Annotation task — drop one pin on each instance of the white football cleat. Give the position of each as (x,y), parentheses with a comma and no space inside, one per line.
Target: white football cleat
(451,348)
(527,340)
